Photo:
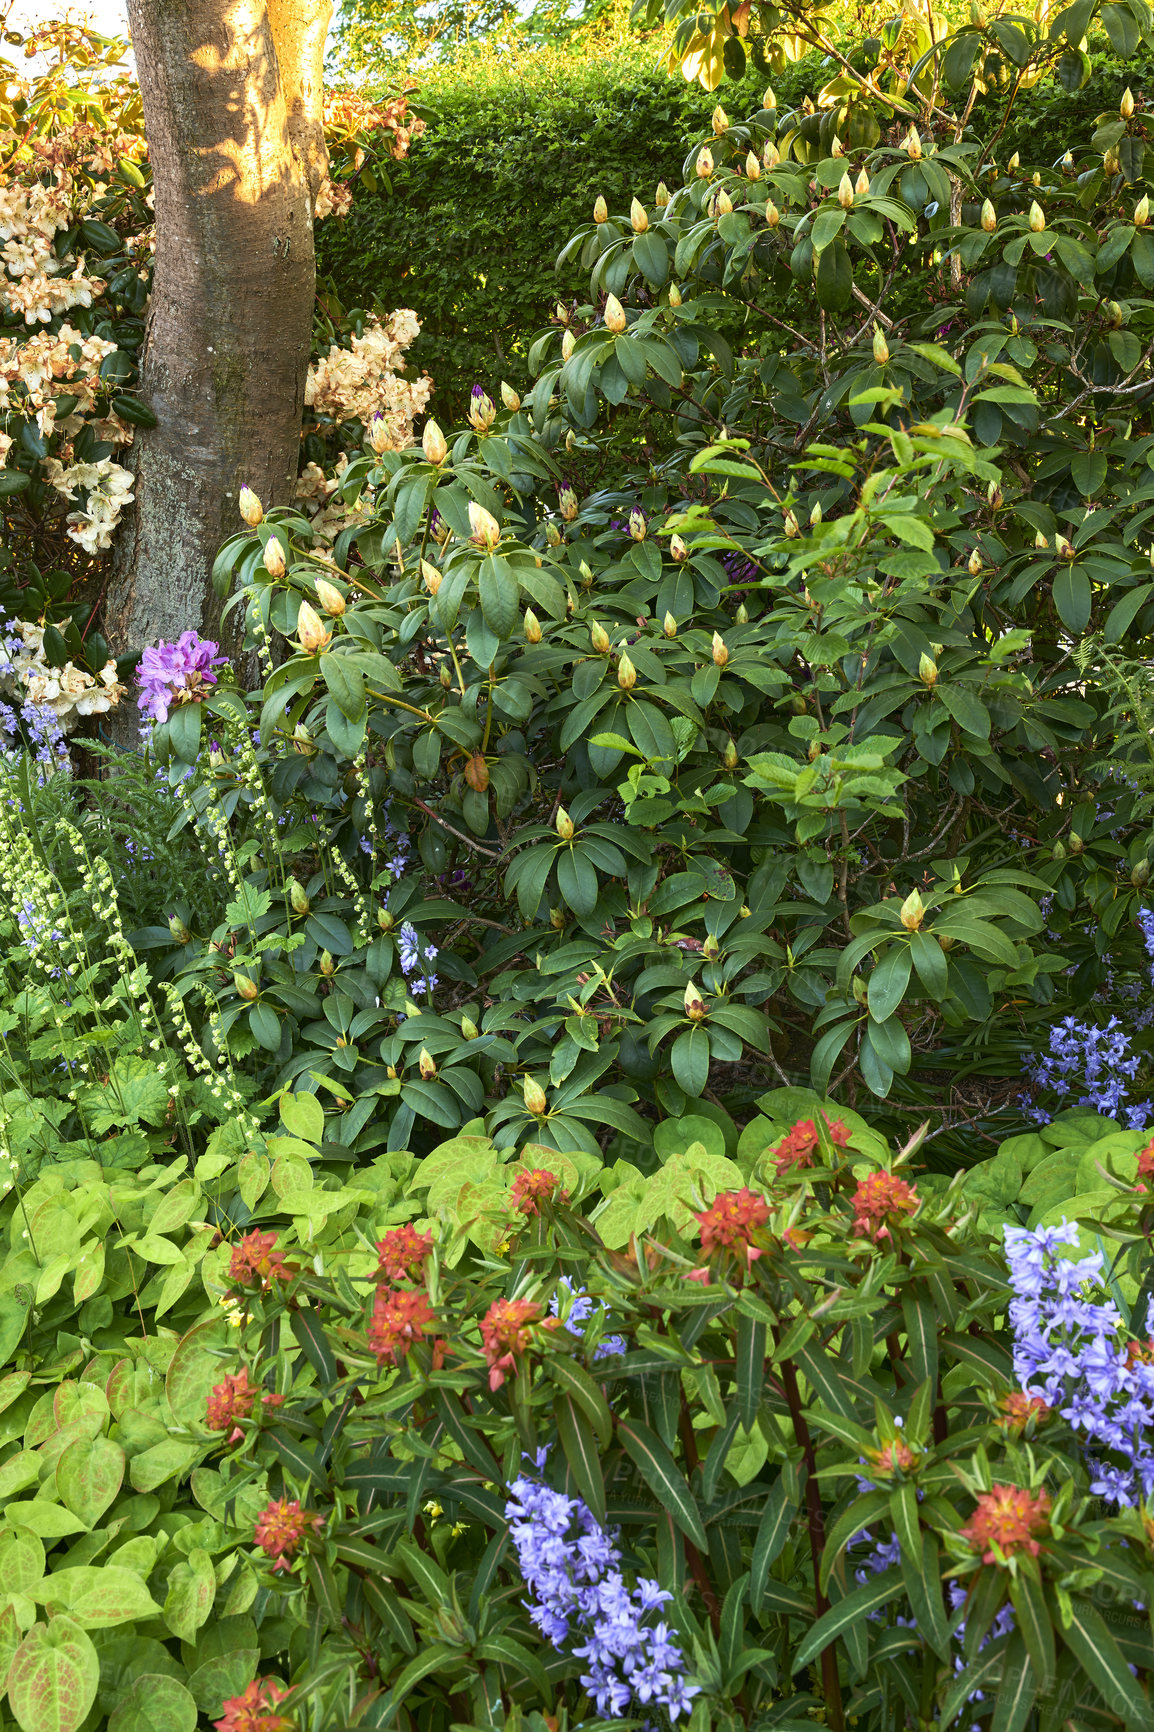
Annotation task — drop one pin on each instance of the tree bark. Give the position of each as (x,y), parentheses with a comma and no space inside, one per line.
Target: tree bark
(233,107)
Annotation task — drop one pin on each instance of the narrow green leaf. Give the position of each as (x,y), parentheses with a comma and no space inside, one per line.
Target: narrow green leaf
(577,1383)
(664,1478)
(749,1368)
(856,1606)
(1032,1616)
(579,1443)
(1017,1689)
(1101,1660)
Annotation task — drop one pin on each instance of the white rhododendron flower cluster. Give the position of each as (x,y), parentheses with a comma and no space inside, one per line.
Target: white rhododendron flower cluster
(364,382)
(69,692)
(109,489)
(37,285)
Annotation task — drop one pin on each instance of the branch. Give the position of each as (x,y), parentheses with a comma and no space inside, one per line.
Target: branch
(459,834)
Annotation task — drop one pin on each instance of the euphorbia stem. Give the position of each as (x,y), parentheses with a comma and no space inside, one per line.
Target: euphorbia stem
(831,1686)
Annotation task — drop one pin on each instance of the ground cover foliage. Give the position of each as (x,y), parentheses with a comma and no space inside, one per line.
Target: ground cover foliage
(469,1256)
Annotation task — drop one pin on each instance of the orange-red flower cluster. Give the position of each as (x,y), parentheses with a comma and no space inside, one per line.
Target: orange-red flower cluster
(1018,1409)
(798,1147)
(401,1316)
(1009,1518)
(256,1259)
(1145,1166)
(281,1527)
(507,1330)
(234,1399)
(254,1710)
(730,1223)
(531,1189)
(402,1254)
(880,1202)
(887,1460)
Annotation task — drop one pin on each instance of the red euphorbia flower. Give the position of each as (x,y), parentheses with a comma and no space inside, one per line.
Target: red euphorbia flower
(880,1202)
(1018,1409)
(254,1710)
(235,1399)
(531,1189)
(799,1145)
(1009,1518)
(731,1221)
(400,1317)
(281,1527)
(1145,1166)
(256,1259)
(402,1254)
(891,1456)
(507,1330)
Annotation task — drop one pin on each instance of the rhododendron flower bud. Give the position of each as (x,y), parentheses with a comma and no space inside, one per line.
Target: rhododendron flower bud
(426,1064)
(912,912)
(974,563)
(881,347)
(600,210)
(509,397)
(927,670)
(532,627)
(742,614)
(445,677)
(567,504)
(327,966)
(1142,212)
(637,524)
(704,163)
(720,121)
(677,549)
(248,989)
(615,319)
(791,526)
(1040,540)
(303,741)
(752,166)
(769,100)
(179,930)
(694,1003)
(273,557)
(599,638)
(330,597)
(552,534)
(482,411)
(1126,106)
(770,156)
(430,577)
(729,757)
(989,217)
(719,650)
(1013,163)
(913,145)
(669,624)
(433,443)
(1063,547)
(564,825)
(378,436)
(251,508)
(674,295)
(536,1100)
(298,896)
(385,920)
(312,633)
(772,214)
(469,1028)
(661,196)
(626,674)
(815,514)
(586,571)
(486,531)
(1110,162)
(724,205)
(1037,217)
(862,184)
(836,146)
(568,344)
(845,192)
(638,217)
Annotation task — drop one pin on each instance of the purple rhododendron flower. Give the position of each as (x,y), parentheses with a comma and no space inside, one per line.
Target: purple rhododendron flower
(176,673)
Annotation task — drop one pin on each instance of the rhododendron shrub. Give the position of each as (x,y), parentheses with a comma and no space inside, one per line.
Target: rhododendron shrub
(769,1459)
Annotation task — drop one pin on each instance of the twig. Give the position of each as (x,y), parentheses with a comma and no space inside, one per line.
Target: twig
(459,834)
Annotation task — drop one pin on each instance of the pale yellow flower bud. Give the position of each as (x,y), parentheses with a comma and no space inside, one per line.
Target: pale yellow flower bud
(599,638)
(426,1064)
(913,145)
(326,964)
(1040,540)
(600,210)
(770,156)
(661,196)
(568,344)
(752,167)
(704,163)
(674,295)
(248,989)
(430,576)
(669,624)
(989,217)
(694,1003)
(1037,217)
(769,100)
(486,530)
(637,524)
(532,627)
(298,896)
(720,121)
(509,397)
(273,559)
(881,347)
(552,534)
(927,670)
(330,597)
(626,674)
(862,184)
(677,549)
(433,444)
(772,214)
(468,1027)
(815,515)
(536,1100)
(791,526)
(567,504)
(251,508)
(564,825)
(562,313)
(724,203)
(615,319)
(974,563)
(836,148)
(730,757)
(312,633)
(1142,212)
(719,650)
(1126,106)
(845,192)
(1013,163)
(638,217)
(912,912)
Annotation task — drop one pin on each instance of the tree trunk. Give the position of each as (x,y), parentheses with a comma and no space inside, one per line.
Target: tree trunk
(233,108)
